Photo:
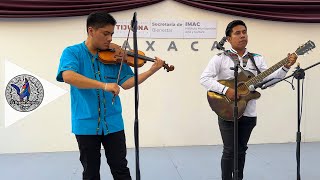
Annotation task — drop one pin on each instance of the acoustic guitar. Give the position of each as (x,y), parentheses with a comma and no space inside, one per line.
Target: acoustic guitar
(223,106)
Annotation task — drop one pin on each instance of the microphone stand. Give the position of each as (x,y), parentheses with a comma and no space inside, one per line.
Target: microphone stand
(235,121)
(235,68)
(298,74)
(235,111)
(136,93)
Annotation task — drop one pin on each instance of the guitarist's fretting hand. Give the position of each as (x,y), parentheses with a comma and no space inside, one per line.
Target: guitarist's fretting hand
(292,59)
(230,94)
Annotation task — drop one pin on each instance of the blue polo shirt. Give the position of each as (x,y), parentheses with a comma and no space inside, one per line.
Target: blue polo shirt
(85,102)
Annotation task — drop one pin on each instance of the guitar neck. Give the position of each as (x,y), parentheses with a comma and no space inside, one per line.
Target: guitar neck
(266,73)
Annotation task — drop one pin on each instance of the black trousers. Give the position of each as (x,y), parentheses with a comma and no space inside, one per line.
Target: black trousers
(246,125)
(115,151)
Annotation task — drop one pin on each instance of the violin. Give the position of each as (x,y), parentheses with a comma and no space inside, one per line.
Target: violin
(115,54)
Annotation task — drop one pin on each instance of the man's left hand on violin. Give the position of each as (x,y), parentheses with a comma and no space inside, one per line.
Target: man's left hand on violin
(158,64)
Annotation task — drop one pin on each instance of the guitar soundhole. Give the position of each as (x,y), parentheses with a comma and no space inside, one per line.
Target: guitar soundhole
(242,88)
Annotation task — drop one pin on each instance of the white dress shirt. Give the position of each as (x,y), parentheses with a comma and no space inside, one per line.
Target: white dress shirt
(219,69)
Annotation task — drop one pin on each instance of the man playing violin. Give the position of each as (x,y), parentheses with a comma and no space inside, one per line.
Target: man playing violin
(219,69)
(95,119)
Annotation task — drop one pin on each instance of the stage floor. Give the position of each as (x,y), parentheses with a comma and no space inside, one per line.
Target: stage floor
(264,162)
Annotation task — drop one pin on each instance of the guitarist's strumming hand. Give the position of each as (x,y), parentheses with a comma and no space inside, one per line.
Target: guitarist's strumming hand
(292,58)
(230,94)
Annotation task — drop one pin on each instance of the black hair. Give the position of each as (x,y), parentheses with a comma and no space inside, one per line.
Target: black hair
(232,24)
(100,19)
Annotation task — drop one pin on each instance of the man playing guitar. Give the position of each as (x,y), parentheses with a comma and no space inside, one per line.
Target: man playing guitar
(219,69)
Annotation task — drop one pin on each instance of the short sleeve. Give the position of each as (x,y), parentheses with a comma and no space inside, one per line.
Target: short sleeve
(68,61)
(126,73)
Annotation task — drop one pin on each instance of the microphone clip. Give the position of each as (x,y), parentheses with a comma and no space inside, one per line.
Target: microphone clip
(299,72)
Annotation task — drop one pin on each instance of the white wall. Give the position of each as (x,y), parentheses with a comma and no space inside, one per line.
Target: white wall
(173,106)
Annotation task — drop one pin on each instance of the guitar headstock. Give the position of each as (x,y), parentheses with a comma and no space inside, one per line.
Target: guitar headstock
(305,48)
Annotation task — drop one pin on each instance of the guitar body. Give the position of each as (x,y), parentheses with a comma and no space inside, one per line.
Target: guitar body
(223,106)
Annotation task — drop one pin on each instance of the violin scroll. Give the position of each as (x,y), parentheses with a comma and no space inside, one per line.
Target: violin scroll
(167,67)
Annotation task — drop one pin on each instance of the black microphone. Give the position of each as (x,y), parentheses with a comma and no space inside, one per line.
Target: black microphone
(219,45)
(134,20)
(298,73)
(259,85)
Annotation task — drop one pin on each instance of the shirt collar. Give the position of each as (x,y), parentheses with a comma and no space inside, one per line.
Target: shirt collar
(83,44)
(234,51)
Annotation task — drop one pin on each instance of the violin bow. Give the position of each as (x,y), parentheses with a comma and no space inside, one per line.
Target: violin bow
(118,78)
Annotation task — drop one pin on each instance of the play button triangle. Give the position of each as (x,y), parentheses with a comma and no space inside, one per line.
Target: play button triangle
(51,93)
